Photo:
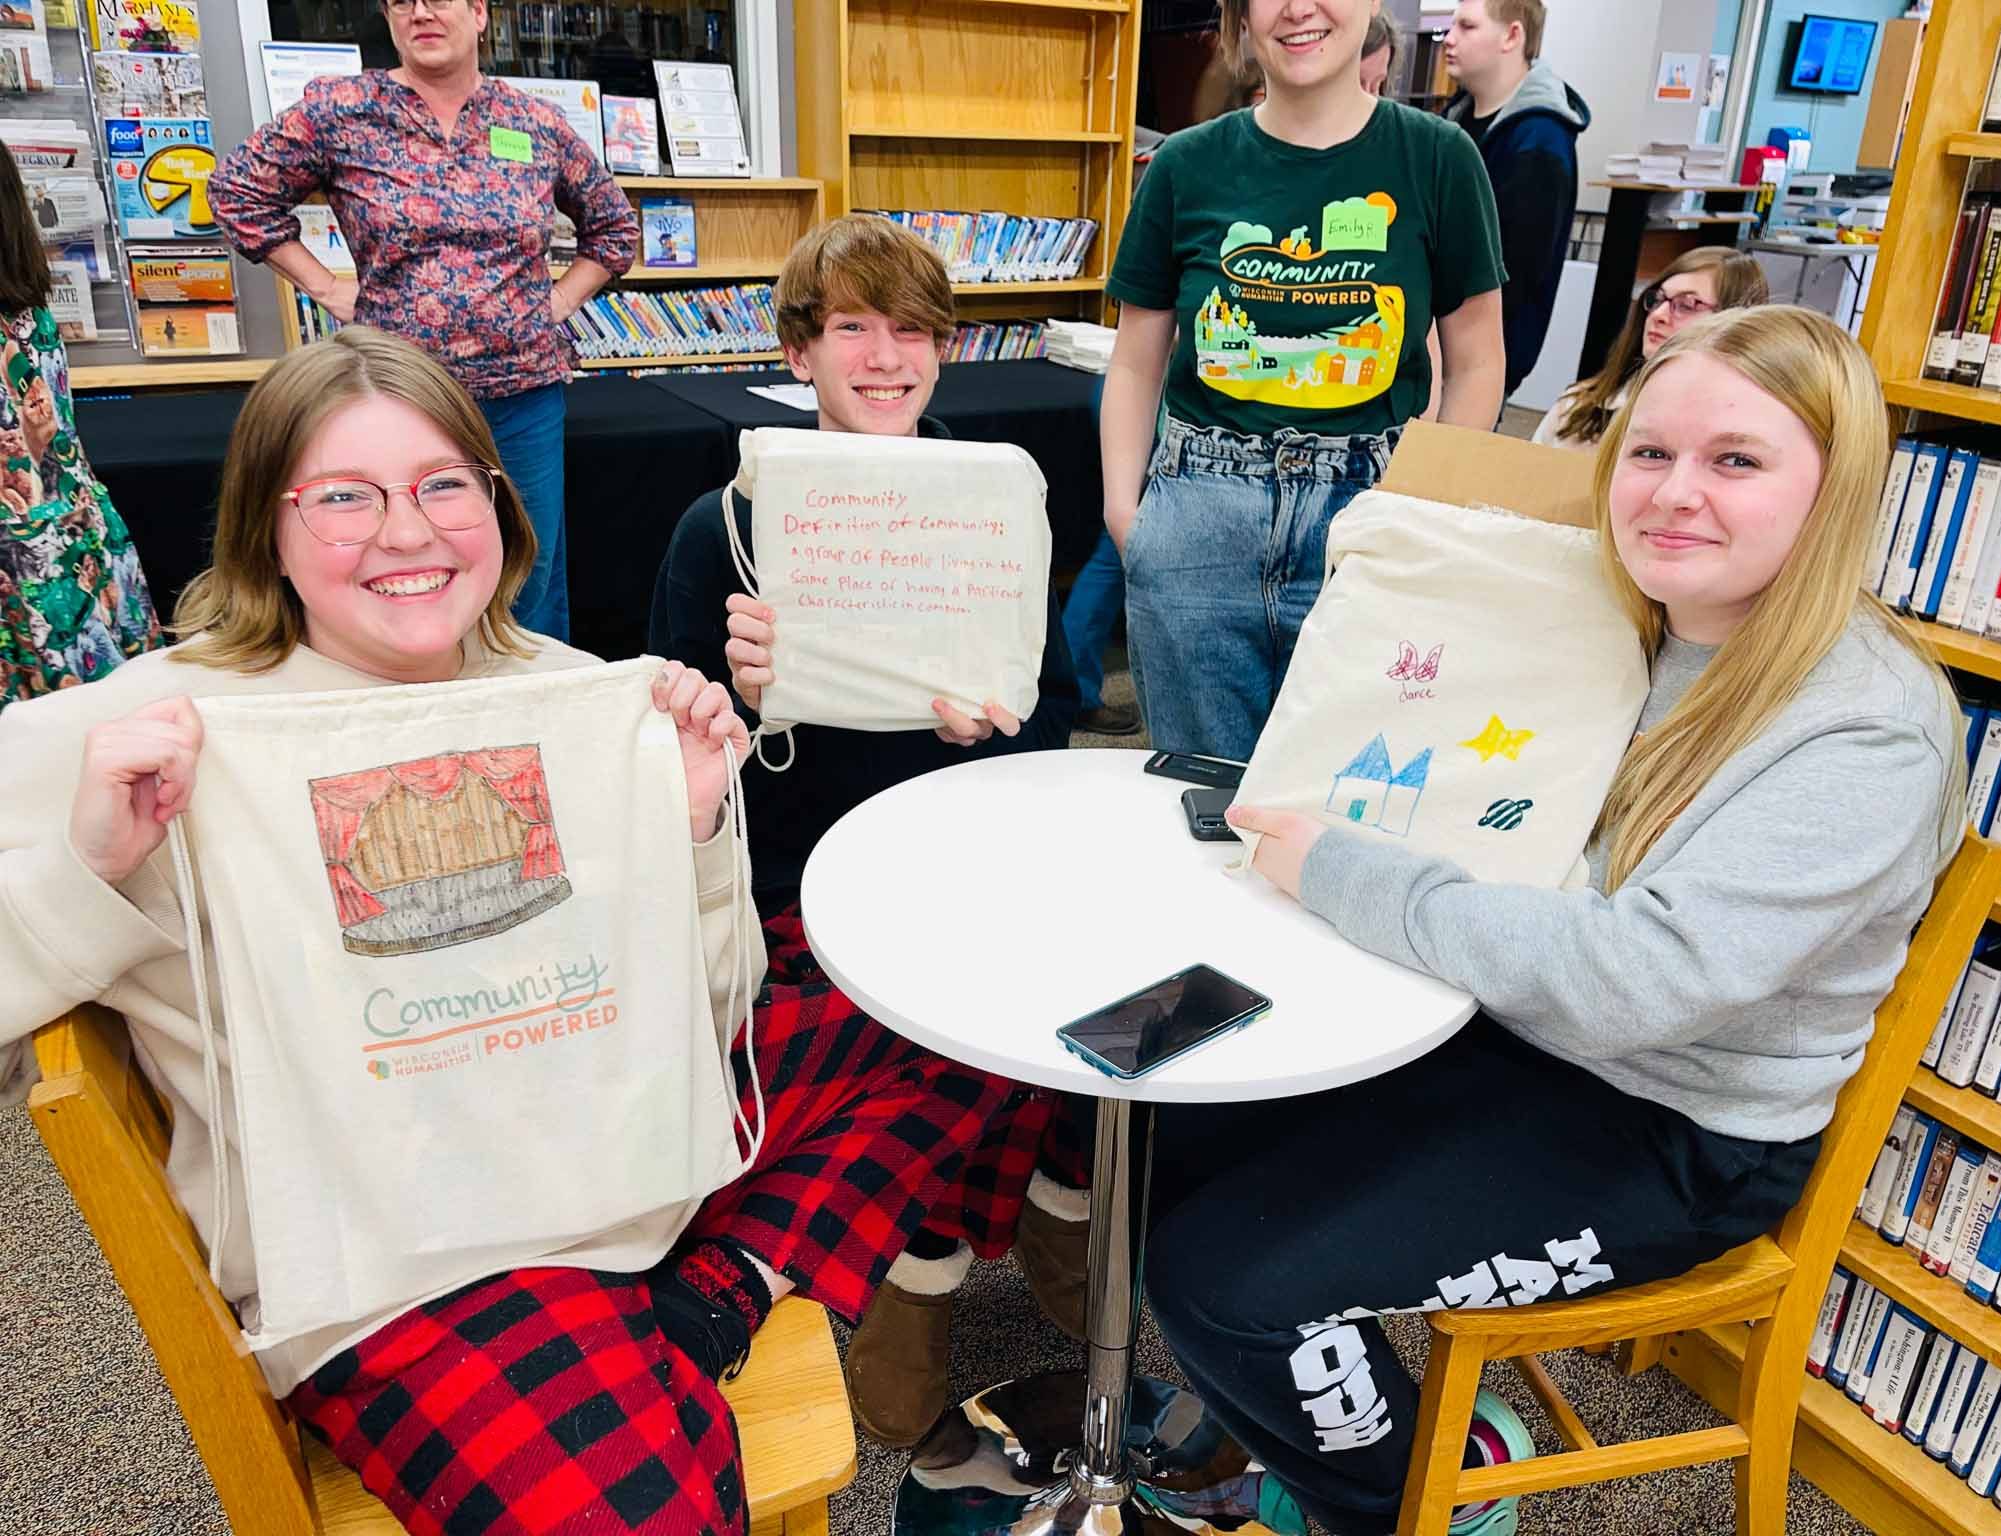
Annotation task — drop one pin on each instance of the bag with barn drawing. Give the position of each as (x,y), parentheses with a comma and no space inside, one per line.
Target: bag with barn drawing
(464,997)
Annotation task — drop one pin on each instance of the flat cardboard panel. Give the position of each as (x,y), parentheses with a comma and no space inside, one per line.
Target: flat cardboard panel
(1465,468)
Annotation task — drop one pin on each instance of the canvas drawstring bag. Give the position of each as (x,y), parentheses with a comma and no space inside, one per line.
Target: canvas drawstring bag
(902,569)
(463,984)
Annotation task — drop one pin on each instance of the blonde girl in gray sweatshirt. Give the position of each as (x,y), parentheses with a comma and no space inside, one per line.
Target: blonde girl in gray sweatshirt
(1656,1055)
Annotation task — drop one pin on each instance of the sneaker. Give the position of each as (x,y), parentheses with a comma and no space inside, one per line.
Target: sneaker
(1109,720)
(1498,1435)
(896,1365)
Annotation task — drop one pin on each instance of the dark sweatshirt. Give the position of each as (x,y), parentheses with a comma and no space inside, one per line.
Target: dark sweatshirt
(1530,146)
(835,769)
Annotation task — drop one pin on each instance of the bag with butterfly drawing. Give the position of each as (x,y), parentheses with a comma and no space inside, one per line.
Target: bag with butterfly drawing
(1467,681)
(902,569)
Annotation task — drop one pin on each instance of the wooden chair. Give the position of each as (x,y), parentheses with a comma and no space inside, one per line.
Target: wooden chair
(1775,1284)
(107,1131)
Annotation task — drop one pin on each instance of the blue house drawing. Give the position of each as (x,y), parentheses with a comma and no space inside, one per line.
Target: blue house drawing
(1371,793)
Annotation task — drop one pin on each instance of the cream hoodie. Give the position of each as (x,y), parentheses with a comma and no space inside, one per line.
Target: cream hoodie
(66,937)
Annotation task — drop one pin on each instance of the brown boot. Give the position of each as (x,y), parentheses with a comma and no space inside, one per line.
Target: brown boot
(1055,1256)
(897,1363)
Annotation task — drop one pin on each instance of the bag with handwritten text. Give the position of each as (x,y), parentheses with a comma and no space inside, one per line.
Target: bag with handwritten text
(901,569)
(465,1004)
(1467,681)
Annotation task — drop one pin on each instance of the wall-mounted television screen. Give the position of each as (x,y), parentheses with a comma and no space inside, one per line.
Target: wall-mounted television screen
(1831,55)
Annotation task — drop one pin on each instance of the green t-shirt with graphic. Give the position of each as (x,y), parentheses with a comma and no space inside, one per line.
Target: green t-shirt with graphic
(1306,280)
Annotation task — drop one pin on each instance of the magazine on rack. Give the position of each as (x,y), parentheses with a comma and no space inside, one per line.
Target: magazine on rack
(145,26)
(148,84)
(69,301)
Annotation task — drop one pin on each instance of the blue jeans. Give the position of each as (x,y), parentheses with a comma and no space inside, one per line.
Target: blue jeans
(1095,599)
(528,430)
(1223,563)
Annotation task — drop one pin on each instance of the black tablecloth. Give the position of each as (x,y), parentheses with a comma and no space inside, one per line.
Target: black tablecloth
(636,453)
(634,457)
(160,457)
(1049,410)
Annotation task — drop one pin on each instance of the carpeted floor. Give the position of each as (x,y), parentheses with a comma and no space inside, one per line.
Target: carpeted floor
(92,1445)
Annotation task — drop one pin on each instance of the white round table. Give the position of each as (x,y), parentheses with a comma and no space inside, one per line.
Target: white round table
(976,910)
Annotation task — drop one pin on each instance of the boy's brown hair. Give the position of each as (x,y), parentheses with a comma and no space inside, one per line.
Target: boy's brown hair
(1533,16)
(862,262)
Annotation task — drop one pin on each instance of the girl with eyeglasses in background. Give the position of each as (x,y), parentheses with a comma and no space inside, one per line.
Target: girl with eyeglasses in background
(1702,282)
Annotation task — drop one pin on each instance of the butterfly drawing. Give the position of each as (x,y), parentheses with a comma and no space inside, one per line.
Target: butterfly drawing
(1409,669)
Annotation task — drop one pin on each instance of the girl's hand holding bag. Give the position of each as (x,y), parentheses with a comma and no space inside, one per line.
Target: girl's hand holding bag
(463,987)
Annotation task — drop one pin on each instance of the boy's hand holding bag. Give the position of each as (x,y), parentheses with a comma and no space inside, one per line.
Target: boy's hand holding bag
(900,569)
(1467,682)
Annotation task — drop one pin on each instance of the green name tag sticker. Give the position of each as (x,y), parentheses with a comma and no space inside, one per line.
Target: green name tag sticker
(510,144)
(1355,224)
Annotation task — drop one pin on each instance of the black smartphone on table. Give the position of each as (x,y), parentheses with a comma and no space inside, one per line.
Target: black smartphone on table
(1204,809)
(1149,1028)
(1209,772)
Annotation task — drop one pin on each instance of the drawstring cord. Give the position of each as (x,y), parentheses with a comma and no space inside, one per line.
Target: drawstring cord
(741,979)
(747,574)
(211,1066)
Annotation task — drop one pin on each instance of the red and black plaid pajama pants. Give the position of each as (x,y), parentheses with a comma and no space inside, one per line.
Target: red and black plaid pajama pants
(548,1400)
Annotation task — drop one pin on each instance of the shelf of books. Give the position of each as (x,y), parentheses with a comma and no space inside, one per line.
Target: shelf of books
(1899,1418)
(1000,130)
(104,108)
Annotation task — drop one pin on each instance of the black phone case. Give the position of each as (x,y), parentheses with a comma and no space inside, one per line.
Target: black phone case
(1208,772)
(1202,806)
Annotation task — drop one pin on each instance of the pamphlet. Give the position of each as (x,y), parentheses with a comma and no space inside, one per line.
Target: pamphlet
(704,126)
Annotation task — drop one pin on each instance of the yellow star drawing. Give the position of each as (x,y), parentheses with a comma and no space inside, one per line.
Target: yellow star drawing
(1498,739)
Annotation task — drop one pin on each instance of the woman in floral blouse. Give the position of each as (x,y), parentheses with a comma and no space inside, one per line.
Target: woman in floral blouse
(446,185)
(73,603)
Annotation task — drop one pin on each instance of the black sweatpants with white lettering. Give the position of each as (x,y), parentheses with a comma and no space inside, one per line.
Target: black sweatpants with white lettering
(1485,1174)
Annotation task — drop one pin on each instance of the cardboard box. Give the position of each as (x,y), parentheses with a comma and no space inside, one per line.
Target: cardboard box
(1465,468)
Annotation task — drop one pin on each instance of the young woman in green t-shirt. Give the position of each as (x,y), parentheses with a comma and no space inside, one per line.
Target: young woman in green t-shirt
(1303,248)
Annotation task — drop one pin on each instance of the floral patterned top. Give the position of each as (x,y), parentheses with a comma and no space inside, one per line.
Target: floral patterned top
(73,602)
(450,235)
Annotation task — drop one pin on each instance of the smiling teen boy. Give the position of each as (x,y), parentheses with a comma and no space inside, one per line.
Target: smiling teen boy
(864,314)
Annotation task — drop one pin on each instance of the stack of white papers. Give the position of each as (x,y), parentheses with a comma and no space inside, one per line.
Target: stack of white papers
(1079,344)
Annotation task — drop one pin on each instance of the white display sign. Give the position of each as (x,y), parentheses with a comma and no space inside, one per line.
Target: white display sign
(699,112)
(579,101)
(288,67)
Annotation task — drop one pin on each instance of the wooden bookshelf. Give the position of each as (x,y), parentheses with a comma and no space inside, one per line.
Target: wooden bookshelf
(124,376)
(1941,1302)
(744,226)
(1882,1479)
(1886,1482)
(1021,106)
(680,362)
(1959,650)
(1969,1113)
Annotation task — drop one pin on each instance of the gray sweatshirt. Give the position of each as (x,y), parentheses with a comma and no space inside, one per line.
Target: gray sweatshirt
(1736,974)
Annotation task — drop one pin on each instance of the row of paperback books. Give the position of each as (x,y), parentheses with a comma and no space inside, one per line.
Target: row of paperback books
(1965,1048)
(1936,547)
(1000,247)
(686,322)
(1966,326)
(1912,1379)
(980,342)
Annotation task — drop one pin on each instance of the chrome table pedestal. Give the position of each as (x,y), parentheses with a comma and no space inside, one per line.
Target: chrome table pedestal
(1152,1461)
